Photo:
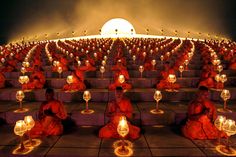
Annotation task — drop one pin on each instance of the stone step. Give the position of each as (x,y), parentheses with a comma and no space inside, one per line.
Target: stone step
(103,95)
(104,83)
(174,113)
(109,74)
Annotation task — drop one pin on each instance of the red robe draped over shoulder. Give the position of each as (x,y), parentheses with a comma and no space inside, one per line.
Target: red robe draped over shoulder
(164,83)
(49,124)
(201,126)
(117,110)
(37,81)
(77,84)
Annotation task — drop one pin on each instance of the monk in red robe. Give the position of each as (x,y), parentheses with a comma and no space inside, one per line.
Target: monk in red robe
(9,66)
(232,63)
(36,63)
(88,67)
(50,115)
(208,76)
(120,69)
(201,117)
(76,85)
(37,80)
(2,80)
(164,83)
(120,107)
(117,83)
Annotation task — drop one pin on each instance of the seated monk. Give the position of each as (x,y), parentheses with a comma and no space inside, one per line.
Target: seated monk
(201,116)
(87,67)
(232,63)
(9,66)
(37,80)
(164,83)
(207,77)
(76,85)
(147,65)
(2,80)
(120,81)
(124,85)
(120,69)
(50,115)
(35,63)
(120,107)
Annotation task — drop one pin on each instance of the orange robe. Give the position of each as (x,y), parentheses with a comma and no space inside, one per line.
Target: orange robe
(207,78)
(87,68)
(120,70)
(2,80)
(164,83)
(77,85)
(49,124)
(110,130)
(36,62)
(9,66)
(125,86)
(201,127)
(37,81)
(232,66)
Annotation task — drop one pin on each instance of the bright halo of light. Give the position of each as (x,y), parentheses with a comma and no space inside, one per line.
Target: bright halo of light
(117,27)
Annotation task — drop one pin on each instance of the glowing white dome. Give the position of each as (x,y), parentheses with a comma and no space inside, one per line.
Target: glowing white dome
(117,27)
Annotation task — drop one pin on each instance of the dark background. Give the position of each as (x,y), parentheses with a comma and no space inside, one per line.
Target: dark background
(17,13)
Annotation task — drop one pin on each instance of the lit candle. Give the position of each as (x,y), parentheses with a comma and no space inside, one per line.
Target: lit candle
(141,69)
(171,78)
(29,121)
(69,79)
(121,78)
(103,62)
(181,69)
(223,78)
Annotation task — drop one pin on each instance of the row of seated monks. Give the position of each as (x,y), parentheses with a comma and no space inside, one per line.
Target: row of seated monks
(199,125)
(207,77)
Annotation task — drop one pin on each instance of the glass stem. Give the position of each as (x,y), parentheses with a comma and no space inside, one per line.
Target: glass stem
(227,145)
(225,105)
(123,144)
(22,147)
(30,139)
(86,105)
(219,138)
(21,104)
(157,106)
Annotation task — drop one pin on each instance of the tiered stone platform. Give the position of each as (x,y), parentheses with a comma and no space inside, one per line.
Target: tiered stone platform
(160,133)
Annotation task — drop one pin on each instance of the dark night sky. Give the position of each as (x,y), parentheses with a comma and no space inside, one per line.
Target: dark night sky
(15,14)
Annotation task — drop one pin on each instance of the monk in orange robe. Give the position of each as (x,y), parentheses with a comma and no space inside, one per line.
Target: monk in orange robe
(50,115)
(9,66)
(77,84)
(120,107)
(124,85)
(232,63)
(164,83)
(37,80)
(120,69)
(88,67)
(36,63)
(208,76)
(201,117)
(2,80)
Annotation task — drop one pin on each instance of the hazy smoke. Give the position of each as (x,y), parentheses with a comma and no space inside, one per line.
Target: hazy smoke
(66,16)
